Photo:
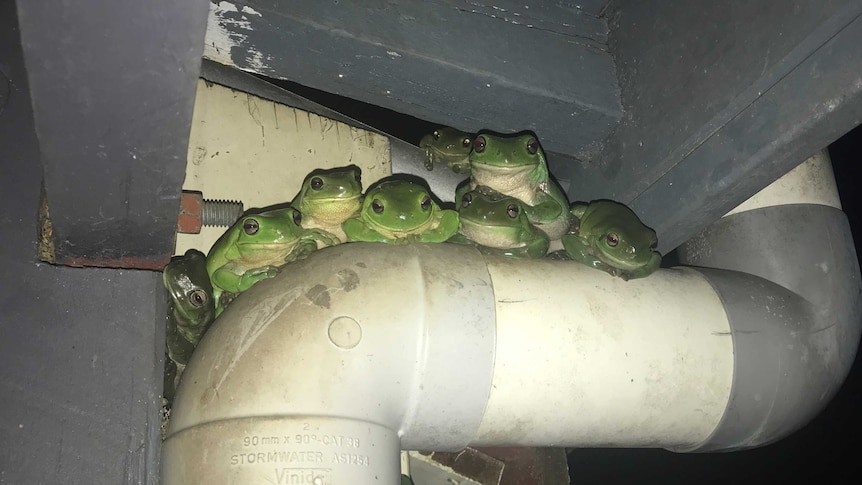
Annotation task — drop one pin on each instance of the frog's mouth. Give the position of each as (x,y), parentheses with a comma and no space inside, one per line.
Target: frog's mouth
(449,153)
(404,232)
(506,169)
(266,253)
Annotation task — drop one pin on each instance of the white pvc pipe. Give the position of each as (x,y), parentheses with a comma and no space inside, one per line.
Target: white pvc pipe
(366,348)
(587,360)
(324,373)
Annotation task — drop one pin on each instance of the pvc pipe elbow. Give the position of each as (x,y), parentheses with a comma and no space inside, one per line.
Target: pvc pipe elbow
(336,364)
(322,374)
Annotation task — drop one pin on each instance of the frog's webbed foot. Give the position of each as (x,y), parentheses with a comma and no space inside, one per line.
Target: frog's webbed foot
(429,159)
(446,227)
(254,275)
(611,270)
(579,251)
(226,298)
(169,384)
(303,248)
(461,167)
(322,238)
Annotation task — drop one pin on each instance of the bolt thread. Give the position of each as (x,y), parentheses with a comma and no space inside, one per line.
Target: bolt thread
(220,212)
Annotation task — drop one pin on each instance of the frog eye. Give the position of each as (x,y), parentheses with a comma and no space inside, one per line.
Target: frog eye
(512,211)
(466,141)
(426,203)
(198,298)
(612,239)
(466,200)
(479,144)
(377,206)
(297,217)
(653,245)
(317,183)
(532,146)
(250,227)
(357,176)
(436,135)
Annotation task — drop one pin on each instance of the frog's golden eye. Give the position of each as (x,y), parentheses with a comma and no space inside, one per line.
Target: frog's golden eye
(297,217)
(479,144)
(466,200)
(612,239)
(436,135)
(512,211)
(377,206)
(426,203)
(316,183)
(198,298)
(250,227)
(466,141)
(532,146)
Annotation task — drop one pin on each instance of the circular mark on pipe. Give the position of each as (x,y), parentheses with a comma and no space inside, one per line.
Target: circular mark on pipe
(345,332)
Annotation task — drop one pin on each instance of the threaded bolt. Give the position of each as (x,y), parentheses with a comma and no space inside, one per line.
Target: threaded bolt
(221,212)
(195,211)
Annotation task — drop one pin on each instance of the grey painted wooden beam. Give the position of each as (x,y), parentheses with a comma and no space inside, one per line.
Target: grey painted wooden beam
(113,85)
(505,66)
(80,349)
(720,101)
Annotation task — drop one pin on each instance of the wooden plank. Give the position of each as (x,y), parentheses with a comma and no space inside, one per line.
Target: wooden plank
(451,62)
(722,100)
(80,350)
(112,84)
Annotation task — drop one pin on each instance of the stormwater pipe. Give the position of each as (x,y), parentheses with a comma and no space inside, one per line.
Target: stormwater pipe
(324,373)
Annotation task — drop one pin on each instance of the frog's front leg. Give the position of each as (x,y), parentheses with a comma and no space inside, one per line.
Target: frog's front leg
(464,187)
(545,208)
(169,383)
(303,248)
(534,249)
(236,279)
(643,271)
(176,346)
(357,230)
(430,158)
(461,167)
(446,227)
(322,237)
(581,252)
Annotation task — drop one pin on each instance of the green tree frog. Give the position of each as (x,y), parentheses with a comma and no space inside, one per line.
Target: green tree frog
(610,237)
(400,211)
(498,224)
(191,310)
(449,146)
(516,166)
(256,246)
(328,198)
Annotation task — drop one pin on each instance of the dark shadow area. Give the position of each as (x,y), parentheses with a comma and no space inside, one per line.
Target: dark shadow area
(399,125)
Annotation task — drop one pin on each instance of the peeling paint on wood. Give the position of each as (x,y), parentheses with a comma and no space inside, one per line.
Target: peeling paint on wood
(505,66)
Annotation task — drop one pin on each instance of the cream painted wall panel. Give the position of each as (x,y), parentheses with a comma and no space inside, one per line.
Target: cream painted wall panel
(243,147)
